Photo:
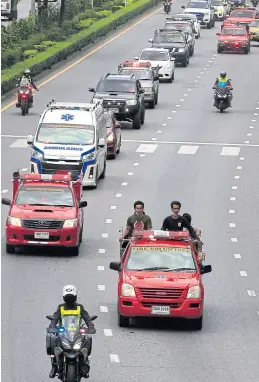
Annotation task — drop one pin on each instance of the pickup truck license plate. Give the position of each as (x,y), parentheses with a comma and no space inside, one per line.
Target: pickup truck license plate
(41,235)
(115,110)
(161,310)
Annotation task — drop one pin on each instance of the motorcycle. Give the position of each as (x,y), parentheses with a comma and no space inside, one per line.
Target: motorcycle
(167,6)
(255,2)
(25,94)
(222,97)
(71,345)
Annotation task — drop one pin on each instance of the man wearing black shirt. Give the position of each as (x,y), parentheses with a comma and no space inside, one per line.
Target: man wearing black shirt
(176,222)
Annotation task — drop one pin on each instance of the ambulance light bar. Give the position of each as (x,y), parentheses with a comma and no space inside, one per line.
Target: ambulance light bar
(130,64)
(162,235)
(72,106)
(47,177)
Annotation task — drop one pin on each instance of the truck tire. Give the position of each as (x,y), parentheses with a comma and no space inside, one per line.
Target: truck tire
(209,25)
(9,248)
(136,123)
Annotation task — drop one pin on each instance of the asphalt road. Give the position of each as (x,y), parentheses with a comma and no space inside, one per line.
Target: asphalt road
(220,191)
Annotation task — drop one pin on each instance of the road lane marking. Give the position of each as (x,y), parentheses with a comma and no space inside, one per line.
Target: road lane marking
(118,195)
(234,239)
(232,198)
(4,191)
(232,225)
(108,221)
(124,184)
(242,158)
(147,149)
(108,332)
(251,293)
(130,173)
(234,187)
(237,256)
(188,150)
(233,151)
(239,167)
(105,235)
(114,358)
(136,164)
(236,177)
(243,273)
(113,207)
(89,54)
(101,250)
(101,287)
(104,309)
(231,211)
(100,268)
(19,144)
(142,155)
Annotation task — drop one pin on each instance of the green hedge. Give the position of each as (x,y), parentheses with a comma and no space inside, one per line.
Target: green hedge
(61,50)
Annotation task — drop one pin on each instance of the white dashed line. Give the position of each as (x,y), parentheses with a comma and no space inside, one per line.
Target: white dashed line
(202,73)
(159,131)
(243,273)
(100,268)
(101,287)
(130,173)
(164,124)
(232,225)
(147,148)
(231,211)
(137,164)
(249,134)
(104,309)
(199,77)
(190,150)
(251,293)
(124,184)
(177,105)
(113,207)
(182,100)
(4,191)
(237,256)
(234,239)
(185,95)
(242,158)
(154,139)
(246,141)
(118,195)
(105,235)
(239,167)
(236,177)
(253,120)
(189,90)
(232,151)
(195,82)
(232,198)
(255,113)
(234,187)
(173,111)
(169,117)
(102,250)
(114,358)
(108,332)
(251,127)
(108,221)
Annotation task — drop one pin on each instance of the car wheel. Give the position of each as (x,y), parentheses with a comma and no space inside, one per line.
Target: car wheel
(102,176)
(246,50)
(119,147)
(185,62)
(136,123)
(96,179)
(209,25)
(9,248)
(219,50)
(152,104)
(213,23)
(156,98)
(142,116)
(74,251)
(123,321)
(197,323)
(81,235)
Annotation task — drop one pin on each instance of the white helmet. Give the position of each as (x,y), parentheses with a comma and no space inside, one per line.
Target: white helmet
(69,290)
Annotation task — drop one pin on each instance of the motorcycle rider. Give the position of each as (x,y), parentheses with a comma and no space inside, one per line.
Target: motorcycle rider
(25,80)
(70,304)
(176,222)
(138,221)
(223,79)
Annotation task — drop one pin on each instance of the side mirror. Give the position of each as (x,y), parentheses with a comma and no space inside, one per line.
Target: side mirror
(6,201)
(92,318)
(30,139)
(206,269)
(150,40)
(136,58)
(83,204)
(101,142)
(115,266)
(183,6)
(218,34)
(172,59)
(50,318)
(92,90)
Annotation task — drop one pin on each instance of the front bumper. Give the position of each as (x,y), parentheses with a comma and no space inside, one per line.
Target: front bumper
(233,47)
(220,16)
(186,308)
(255,37)
(148,97)
(179,56)
(204,20)
(111,148)
(20,236)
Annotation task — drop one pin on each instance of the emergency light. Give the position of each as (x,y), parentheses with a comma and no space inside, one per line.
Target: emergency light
(47,177)
(61,329)
(82,330)
(162,235)
(130,64)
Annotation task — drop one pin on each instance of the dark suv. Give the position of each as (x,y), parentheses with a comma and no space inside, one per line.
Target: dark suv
(175,41)
(123,95)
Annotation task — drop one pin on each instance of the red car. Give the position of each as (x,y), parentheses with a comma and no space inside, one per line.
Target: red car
(159,276)
(243,15)
(233,38)
(45,210)
(113,135)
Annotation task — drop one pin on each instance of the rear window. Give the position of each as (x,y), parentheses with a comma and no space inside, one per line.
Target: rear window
(240,13)
(45,196)
(119,85)
(234,32)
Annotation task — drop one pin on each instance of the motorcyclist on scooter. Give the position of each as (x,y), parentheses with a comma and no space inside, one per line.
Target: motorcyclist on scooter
(70,304)
(222,79)
(26,80)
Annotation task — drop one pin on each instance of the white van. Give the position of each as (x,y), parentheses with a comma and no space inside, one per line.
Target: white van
(71,137)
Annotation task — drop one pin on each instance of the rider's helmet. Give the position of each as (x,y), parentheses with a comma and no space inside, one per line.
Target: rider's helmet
(69,294)
(223,74)
(27,73)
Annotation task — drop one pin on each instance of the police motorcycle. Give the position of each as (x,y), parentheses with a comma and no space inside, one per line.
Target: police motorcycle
(71,345)
(222,96)
(167,6)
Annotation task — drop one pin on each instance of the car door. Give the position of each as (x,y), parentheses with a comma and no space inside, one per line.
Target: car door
(116,129)
(155,79)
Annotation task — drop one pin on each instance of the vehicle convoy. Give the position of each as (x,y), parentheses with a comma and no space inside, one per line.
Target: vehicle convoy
(71,137)
(220,9)
(203,10)
(123,95)
(45,210)
(188,29)
(159,276)
(147,76)
(243,15)
(254,30)
(192,19)
(113,135)
(233,38)
(71,343)
(9,9)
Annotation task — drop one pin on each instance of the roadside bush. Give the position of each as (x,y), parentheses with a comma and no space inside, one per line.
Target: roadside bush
(105,13)
(30,53)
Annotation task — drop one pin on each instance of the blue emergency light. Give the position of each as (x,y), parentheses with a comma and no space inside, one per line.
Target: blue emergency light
(61,329)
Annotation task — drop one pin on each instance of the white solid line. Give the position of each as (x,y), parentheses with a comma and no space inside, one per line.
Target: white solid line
(108,221)
(136,164)
(232,198)
(105,235)
(108,332)
(118,195)
(24,169)
(101,287)
(130,173)
(102,250)
(4,191)
(237,256)
(14,136)
(232,225)
(234,187)
(191,143)
(114,358)
(239,167)
(233,239)
(231,211)
(251,293)
(124,184)
(104,309)
(100,268)
(113,207)
(236,177)
(243,273)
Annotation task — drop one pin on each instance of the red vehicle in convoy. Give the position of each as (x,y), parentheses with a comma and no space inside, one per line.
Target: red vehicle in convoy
(159,276)
(45,210)
(234,38)
(113,135)
(243,15)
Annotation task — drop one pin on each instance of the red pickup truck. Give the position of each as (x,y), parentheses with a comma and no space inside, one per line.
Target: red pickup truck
(46,210)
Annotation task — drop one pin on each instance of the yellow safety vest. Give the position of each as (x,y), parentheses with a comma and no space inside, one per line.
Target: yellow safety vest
(222,79)
(72,312)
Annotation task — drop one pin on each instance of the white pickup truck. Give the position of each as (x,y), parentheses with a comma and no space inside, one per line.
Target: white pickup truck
(9,9)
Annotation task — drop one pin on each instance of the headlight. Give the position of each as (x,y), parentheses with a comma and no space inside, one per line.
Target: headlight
(181,50)
(16,222)
(194,292)
(168,66)
(70,223)
(110,138)
(66,345)
(36,154)
(131,102)
(148,90)
(95,100)
(77,345)
(127,290)
(88,156)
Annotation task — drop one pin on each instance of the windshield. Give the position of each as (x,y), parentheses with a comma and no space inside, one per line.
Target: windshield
(71,325)
(64,134)
(217,3)
(169,38)
(240,13)
(139,74)
(234,32)
(255,23)
(182,26)
(45,196)
(116,86)
(197,5)
(152,55)
(163,258)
